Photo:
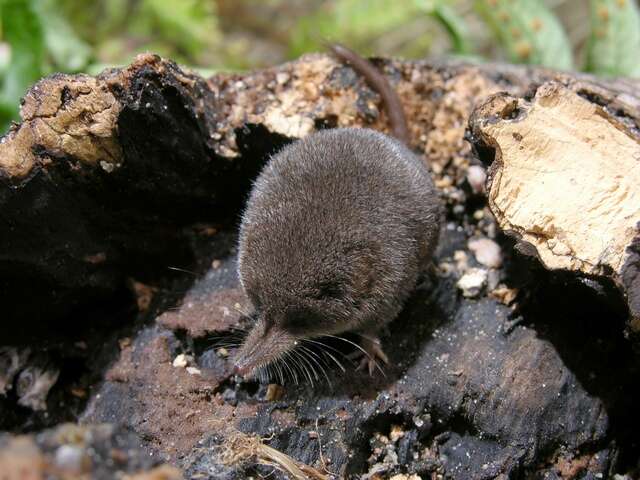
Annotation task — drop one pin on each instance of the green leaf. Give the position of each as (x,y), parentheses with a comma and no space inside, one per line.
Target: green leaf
(190,23)
(354,22)
(68,51)
(455,25)
(528,31)
(5,57)
(22,31)
(614,45)
(363,17)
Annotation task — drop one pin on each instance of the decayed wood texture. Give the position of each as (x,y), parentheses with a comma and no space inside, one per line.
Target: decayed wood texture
(566,174)
(113,177)
(145,149)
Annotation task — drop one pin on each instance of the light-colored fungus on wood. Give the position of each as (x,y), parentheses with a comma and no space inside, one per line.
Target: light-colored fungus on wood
(565,178)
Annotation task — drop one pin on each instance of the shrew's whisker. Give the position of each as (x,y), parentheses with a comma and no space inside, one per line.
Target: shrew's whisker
(303,364)
(350,343)
(325,352)
(317,360)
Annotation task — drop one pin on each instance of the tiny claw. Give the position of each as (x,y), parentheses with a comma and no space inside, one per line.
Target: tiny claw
(373,349)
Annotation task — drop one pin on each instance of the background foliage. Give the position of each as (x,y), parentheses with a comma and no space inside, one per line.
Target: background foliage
(39,37)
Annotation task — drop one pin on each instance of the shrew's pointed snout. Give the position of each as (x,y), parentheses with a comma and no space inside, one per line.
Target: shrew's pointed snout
(241,363)
(240,370)
(261,347)
(248,356)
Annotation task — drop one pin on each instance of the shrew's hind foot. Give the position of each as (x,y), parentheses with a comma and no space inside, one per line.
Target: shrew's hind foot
(371,351)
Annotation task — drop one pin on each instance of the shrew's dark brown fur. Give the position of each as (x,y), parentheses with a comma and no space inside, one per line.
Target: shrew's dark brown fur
(335,233)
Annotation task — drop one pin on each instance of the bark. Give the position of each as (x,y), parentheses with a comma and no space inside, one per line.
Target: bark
(502,367)
(564,177)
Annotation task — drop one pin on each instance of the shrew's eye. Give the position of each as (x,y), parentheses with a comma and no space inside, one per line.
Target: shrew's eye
(301,319)
(329,290)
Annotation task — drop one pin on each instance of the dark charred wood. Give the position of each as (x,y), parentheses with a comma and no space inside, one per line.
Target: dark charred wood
(108,181)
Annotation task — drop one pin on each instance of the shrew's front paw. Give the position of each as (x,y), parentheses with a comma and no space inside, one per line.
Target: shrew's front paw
(371,351)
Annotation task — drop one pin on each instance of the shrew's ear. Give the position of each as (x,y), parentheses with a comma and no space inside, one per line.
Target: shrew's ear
(364,276)
(364,267)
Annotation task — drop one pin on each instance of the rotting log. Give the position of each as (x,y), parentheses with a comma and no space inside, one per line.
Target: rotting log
(564,178)
(104,174)
(145,167)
